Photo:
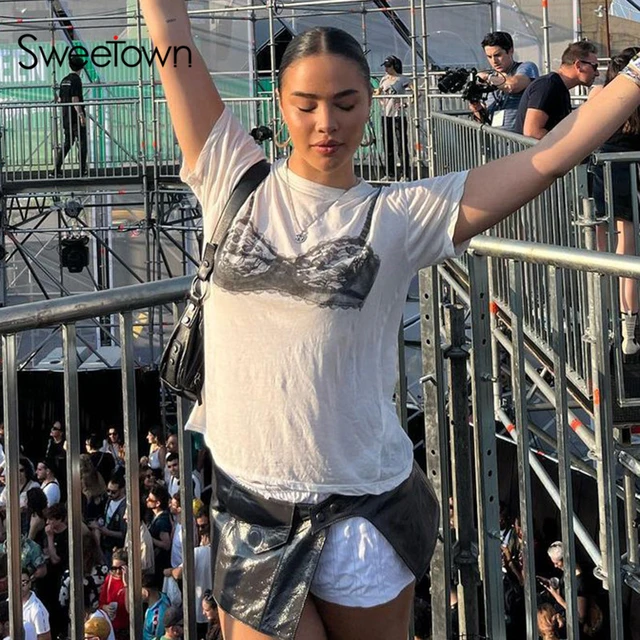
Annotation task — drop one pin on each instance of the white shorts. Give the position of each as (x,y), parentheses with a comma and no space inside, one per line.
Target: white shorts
(358,567)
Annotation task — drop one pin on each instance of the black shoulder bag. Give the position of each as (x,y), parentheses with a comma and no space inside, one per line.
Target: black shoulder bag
(182,362)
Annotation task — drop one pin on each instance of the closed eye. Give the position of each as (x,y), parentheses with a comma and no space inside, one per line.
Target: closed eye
(346,107)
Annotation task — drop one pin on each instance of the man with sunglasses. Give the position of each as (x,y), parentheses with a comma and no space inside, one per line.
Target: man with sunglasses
(547,101)
(112,529)
(33,611)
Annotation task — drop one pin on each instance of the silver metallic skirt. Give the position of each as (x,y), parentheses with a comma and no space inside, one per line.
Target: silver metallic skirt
(265,552)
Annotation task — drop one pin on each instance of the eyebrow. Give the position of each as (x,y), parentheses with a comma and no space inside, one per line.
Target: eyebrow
(313,96)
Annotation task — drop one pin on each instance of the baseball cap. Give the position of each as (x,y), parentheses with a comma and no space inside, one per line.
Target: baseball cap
(172,617)
(98,627)
(388,61)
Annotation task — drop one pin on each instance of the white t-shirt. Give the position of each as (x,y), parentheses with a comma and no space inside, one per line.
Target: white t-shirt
(301,337)
(29,632)
(173,486)
(202,577)
(35,613)
(393,85)
(176,545)
(52,491)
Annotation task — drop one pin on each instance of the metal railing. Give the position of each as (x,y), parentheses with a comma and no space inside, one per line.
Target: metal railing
(126,135)
(33,134)
(611,452)
(470,444)
(556,217)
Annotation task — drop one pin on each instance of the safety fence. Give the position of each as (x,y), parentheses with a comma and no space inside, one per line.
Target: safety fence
(462,448)
(127,137)
(453,434)
(562,216)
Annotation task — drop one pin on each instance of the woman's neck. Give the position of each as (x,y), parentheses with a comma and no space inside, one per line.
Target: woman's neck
(343,177)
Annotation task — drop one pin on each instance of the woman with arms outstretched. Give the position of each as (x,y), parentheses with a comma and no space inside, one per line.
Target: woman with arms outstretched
(323,524)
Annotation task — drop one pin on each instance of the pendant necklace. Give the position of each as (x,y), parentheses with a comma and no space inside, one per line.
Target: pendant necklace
(302,234)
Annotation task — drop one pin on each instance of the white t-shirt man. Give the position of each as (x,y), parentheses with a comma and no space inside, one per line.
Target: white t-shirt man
(36,614)
(173,486)
(29,632)
(52,491)
(202,577)
(393,85)
(303,315)
(176,545)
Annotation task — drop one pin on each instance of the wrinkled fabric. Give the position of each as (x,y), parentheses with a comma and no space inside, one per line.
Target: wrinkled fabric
(266,551)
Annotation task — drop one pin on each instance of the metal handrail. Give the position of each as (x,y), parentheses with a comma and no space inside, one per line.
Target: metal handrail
(562,257)
(35,315)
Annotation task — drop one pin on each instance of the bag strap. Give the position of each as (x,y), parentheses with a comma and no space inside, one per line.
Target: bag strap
(247,185)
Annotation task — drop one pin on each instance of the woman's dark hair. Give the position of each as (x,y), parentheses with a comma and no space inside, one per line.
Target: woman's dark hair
(500,39)
(324,40)
(56,512)
(122,555)
(37,501)
(158,432)
(27,465)
(91,552)
(615,66)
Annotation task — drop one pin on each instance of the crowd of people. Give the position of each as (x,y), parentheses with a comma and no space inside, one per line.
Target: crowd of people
(46,587)
(592,602)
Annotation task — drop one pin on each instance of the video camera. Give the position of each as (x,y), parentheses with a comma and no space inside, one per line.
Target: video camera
(472,87)
(261,134)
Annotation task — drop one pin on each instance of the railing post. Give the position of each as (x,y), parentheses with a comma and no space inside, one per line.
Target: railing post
(12,459)
(437,449)
(522,433)
(132,462)
(556,296)
(186,516)
(465,557)
(74,495)
(605,461)
(483,371)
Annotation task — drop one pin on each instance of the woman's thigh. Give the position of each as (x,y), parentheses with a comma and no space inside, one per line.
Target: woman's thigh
(310,628)
(328,621)
(388,621)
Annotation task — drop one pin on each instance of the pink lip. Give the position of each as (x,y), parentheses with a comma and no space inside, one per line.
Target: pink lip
(327,148)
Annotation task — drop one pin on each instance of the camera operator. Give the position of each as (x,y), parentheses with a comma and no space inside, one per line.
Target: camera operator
(510,78)
(394,122)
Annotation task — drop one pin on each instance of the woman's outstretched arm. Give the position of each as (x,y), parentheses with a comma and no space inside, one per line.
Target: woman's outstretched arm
(497,189)
(194,102)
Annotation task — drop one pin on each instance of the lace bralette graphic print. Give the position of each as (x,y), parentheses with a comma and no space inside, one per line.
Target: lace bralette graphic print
(338,274)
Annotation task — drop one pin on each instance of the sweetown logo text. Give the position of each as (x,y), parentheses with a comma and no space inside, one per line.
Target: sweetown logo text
(115,52)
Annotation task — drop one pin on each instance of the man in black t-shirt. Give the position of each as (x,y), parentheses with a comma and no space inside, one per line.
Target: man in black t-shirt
(546,101)
(73,116)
